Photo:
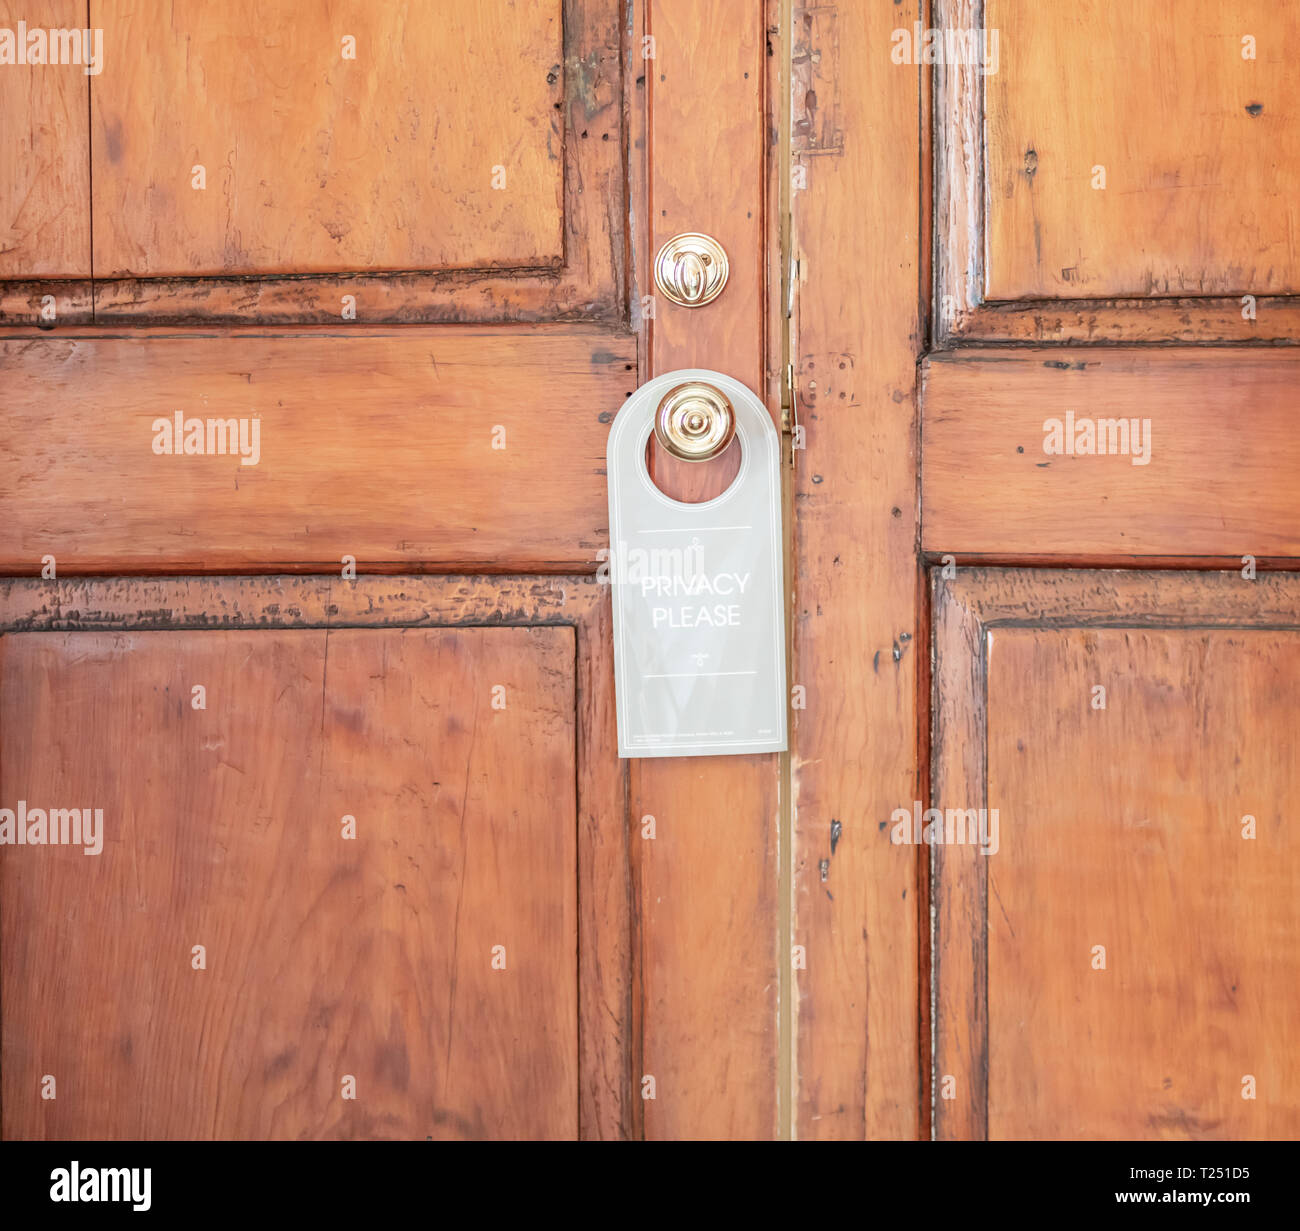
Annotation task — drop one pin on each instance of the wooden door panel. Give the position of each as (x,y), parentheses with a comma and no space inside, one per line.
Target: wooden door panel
(345,198)
(1119,839)
(1197,141)
(325,957)
(373,699)
(45,157)
(333,213)
(1172,453)
(319,160)
(1120,827)
(1058,219)
(1116,176)
(394,447)
(859,616)
(469,165)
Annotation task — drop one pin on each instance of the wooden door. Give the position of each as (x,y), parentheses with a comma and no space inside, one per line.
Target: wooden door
(394,260)
(1112,387)
(1046,533)
(313,318)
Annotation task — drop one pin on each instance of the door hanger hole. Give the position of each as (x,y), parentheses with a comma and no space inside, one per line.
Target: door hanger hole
(692,482)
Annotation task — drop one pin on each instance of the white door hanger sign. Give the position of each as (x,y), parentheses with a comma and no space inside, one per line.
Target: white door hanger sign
(699,628)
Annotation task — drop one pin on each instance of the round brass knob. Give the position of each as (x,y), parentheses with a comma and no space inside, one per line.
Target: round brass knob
(691,269)
(695,421)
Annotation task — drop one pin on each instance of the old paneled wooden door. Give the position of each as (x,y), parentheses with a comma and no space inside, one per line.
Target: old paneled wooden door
(1047,261)
(1116,267)
(313,318)
(337,674)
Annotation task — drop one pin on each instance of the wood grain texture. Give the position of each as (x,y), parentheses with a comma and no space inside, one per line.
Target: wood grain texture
(1109,838)
(957,964)
(722,194)
(324,957)
(608,1104)
(853,748)
(589,282)
(26,302)
(958,149)
(1273,321)
(706,886)
(45,156)
(1197,923)
(1198,197)
(125,607)
(988,486)
(320,163)
(967,309)
(373,444)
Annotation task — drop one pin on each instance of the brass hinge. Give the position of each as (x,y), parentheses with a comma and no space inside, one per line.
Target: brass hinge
(790,413)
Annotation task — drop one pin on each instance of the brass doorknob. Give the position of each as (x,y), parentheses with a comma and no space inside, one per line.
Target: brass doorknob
(695,421)
(691,269)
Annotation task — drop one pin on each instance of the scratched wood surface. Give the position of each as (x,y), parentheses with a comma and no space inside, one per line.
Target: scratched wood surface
(1209,470)
(428,447)
(44,158)
(1197,219)
(1198,197)
(325,957)
(1196,921)
(434,140)
(707,903)
(582,275)
(853,748)
(607,1104)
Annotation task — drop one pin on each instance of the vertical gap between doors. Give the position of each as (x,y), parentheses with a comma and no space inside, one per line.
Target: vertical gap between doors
(782,165)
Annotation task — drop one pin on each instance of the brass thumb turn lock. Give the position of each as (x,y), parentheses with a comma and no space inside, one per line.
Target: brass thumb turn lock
(695,421)
(691,269)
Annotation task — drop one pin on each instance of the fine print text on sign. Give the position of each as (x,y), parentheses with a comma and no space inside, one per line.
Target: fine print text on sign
(699,630)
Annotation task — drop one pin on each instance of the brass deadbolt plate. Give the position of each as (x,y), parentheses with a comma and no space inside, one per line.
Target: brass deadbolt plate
(691,269)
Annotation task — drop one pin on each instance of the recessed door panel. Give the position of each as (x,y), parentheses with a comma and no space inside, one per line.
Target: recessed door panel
(339,899)
(292,137)
(1114,956)
(1140,951)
